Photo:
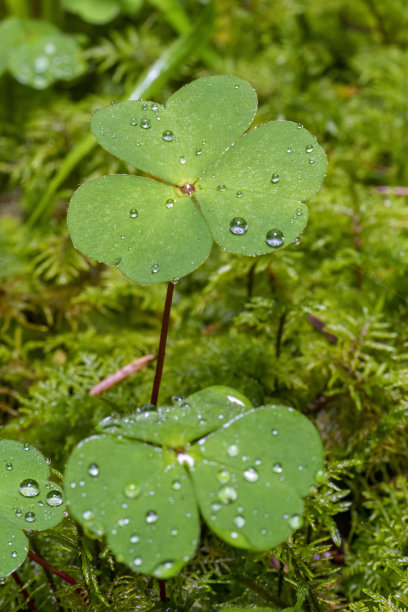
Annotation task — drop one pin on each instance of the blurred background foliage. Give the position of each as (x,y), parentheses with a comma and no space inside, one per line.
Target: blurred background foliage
(321,325)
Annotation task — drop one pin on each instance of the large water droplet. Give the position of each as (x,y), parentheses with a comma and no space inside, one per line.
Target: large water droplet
(54,498)
(145,123)
(14,554)
(29,488)
(169,203)
(275,238)
(133,213)
(251,475)
(168,136)
(309,148)
(154,107)
(9,466)
(227,494)
(155,268)
(18,512)
(275,178)
(277,468)
(29,517)
(239,521)
(233,450)
(151,517)
(295,521)
(223,476)
(238,226)
(93,470)
(132,490)
(275,432)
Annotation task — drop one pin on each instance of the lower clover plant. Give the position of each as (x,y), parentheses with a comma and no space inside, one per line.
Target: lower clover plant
(145,480)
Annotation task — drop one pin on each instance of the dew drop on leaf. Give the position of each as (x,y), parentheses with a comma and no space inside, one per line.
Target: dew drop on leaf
(137,561)
(251,475)
(93,470)
(289,150)
(169,203)
(198,152)
(135,538)
(275,178)
(277,468)
(176,484)
(223,476)
(182,160)
(29,517)
(295,521)
(299,212)
(174,532)
(54,498)
(133,213)
(309,149)
(29,488)
(275,238)
(18,512)
(14,554)
(233,450)
(239,521)
(151,517)
(88,515)
(168,136)
(9,466)
(132,490)
(227,494)
(155,268)
(133,121)
(275,432)
(222,188)
(145,123)
(238,226)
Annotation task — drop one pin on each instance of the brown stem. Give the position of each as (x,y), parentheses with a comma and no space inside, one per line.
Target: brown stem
(24,592)
(162,587)
(162,345)
(47,566)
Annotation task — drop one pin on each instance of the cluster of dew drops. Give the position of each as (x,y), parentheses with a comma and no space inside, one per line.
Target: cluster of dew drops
(274,237)
(29,489)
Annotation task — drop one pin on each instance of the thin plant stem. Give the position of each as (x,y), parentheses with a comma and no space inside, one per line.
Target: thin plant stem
(47,566)
(30,604)
(162,345)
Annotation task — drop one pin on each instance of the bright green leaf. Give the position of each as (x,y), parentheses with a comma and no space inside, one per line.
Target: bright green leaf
(100,11)
(177,425)
(28,500)
(140,497)
(253,474)
(247,193)
(248,477)
(135,223)
(176,143)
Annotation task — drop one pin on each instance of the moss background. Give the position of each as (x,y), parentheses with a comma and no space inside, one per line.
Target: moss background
(321,325)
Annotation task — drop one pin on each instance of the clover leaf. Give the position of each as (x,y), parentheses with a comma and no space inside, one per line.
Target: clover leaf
(145,480)
(246,192)
(28,500)
(37,53)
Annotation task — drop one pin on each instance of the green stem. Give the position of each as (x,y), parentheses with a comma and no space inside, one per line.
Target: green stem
(162,346)
(18,8)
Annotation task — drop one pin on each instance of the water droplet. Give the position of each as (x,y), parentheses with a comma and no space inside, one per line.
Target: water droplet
(135,538)
(299,212)
(238,226)
(41,503)
(122,236)
(289,150)
(311,161)
(300,468)
(18,512)
(239,194)
(155,268)
(122,522)
(174,532)
(133,213)
(10,543)
(309,148)
(133,121)
(275,178)
(14,554)
(26,446)
(29,488)
(239,521)
(251,475)
(54,498)
(275,432)
(145,123)
(299,126)
(295,521)
(137,561)
(168,136)
(223,476)
(132,490)
(233,450)
(154,107)
(227,494)
(222,188)
(182,160)
(176,484)
(29,517)
(277,468)
(198,152)
(275,238)
(169,203)
(9,466)
(88,515)
(151,517)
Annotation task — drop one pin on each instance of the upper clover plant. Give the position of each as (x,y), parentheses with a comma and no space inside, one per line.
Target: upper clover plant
(210,182)
(28,500)
(144,481)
